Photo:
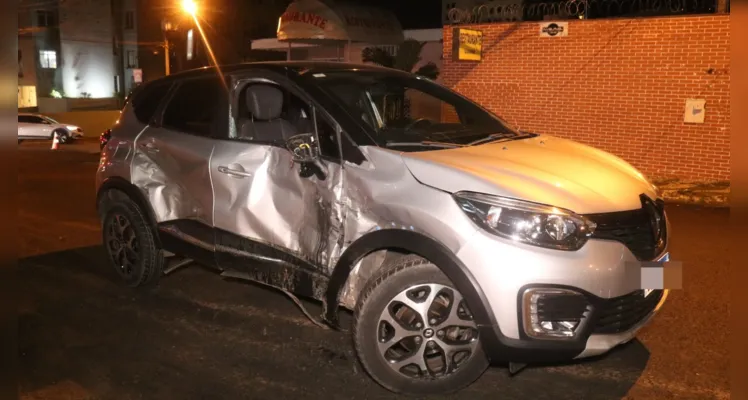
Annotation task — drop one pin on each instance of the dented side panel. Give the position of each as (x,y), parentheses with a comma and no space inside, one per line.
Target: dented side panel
(116,156)
(383,194)
(272,204)
(172,170)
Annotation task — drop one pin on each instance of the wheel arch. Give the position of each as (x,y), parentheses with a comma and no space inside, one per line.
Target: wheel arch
(59,129)
(133,193)
(413,243)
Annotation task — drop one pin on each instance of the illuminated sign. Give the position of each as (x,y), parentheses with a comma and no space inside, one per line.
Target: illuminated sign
(305,17)
(467,44)
(190,44)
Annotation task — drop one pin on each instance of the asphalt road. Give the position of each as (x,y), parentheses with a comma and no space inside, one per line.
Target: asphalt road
(198,336)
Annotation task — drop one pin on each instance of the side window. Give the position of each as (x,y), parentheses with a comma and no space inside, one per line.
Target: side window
(269,113)
(194,107)
(24,119)
(146,101)
(328,138)
(36,120)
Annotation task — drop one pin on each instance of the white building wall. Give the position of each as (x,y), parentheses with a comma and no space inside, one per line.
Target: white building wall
(88,69)
(87,53)
(130,39)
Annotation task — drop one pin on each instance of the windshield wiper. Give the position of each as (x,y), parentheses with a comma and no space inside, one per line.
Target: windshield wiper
(497,136)
(425,143)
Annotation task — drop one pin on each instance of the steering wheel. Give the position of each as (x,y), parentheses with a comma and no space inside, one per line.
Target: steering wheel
(416,122)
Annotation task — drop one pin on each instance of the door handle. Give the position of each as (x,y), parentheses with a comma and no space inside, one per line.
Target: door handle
(236,173)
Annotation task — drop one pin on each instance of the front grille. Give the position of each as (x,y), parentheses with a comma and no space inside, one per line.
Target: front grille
(620,314)
(634,229)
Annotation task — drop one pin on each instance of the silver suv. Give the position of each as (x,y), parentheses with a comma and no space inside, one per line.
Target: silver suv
(455,239)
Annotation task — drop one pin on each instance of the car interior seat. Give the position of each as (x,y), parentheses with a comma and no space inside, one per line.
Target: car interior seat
(264,122)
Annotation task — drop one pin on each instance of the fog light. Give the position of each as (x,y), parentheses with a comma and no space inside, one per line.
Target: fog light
(553,313)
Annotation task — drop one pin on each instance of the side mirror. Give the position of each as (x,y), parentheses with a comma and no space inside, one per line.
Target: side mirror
(304,147)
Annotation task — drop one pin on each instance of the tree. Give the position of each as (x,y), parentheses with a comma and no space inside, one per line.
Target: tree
(407,56)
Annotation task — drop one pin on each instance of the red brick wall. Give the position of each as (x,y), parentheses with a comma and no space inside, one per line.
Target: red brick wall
(620,85)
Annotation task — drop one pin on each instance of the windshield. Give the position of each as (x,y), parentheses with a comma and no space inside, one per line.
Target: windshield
(412,113)
(50,120)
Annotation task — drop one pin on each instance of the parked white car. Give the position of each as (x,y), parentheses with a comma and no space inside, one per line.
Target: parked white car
(36,126)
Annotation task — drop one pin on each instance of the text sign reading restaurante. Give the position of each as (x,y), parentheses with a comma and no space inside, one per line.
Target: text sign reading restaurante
(467,44)
(305,17)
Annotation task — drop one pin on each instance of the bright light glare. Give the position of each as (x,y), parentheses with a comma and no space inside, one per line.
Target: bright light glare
(190,7)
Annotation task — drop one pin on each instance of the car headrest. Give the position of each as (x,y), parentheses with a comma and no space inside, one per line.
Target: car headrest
(265,102)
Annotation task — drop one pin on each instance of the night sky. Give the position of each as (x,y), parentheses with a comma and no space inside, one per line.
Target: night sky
(413,14)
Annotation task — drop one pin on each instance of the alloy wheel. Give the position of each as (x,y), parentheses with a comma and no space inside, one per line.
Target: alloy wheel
(122,243)
(427,331)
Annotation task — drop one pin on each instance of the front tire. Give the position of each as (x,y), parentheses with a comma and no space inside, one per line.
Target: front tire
(62,136)
(131,245)
(414,333)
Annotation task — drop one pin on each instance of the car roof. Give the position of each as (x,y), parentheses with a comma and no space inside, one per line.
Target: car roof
(296,68)
(26,114)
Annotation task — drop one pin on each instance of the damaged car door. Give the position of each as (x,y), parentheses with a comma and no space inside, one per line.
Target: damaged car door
(277,217)
(171,163)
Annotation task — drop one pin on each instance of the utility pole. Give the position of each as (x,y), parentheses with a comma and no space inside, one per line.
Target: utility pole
(167,27)
(166,56)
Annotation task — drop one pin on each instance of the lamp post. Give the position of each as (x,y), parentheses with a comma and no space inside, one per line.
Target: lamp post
(166,27)
(189,7)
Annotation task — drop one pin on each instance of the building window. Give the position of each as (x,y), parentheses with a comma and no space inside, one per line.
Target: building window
(132,60)
(48,58)
(45,18)
(129,20)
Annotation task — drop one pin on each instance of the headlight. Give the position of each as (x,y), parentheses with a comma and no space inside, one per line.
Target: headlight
(72,127)
(526,222)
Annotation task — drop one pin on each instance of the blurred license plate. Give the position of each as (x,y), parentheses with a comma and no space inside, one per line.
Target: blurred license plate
(665,258)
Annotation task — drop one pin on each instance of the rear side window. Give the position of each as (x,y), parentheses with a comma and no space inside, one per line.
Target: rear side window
(195,107)
(146,101)
(30,119)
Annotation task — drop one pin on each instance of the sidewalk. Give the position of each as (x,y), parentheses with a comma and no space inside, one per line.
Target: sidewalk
(712,194)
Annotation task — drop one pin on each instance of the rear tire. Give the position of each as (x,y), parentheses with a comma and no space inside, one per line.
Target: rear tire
(131,245)
(428,331)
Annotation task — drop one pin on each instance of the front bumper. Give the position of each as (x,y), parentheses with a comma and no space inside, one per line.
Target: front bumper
(602,272)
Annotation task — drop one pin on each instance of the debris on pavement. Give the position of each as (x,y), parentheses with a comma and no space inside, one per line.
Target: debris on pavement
(714,193)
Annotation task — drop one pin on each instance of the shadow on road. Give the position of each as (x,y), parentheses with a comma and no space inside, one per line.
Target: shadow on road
(82,335)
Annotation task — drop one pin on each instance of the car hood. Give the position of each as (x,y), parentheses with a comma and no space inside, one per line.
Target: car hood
(542,169)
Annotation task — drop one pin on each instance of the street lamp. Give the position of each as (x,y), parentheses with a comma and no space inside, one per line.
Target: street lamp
(190,7)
